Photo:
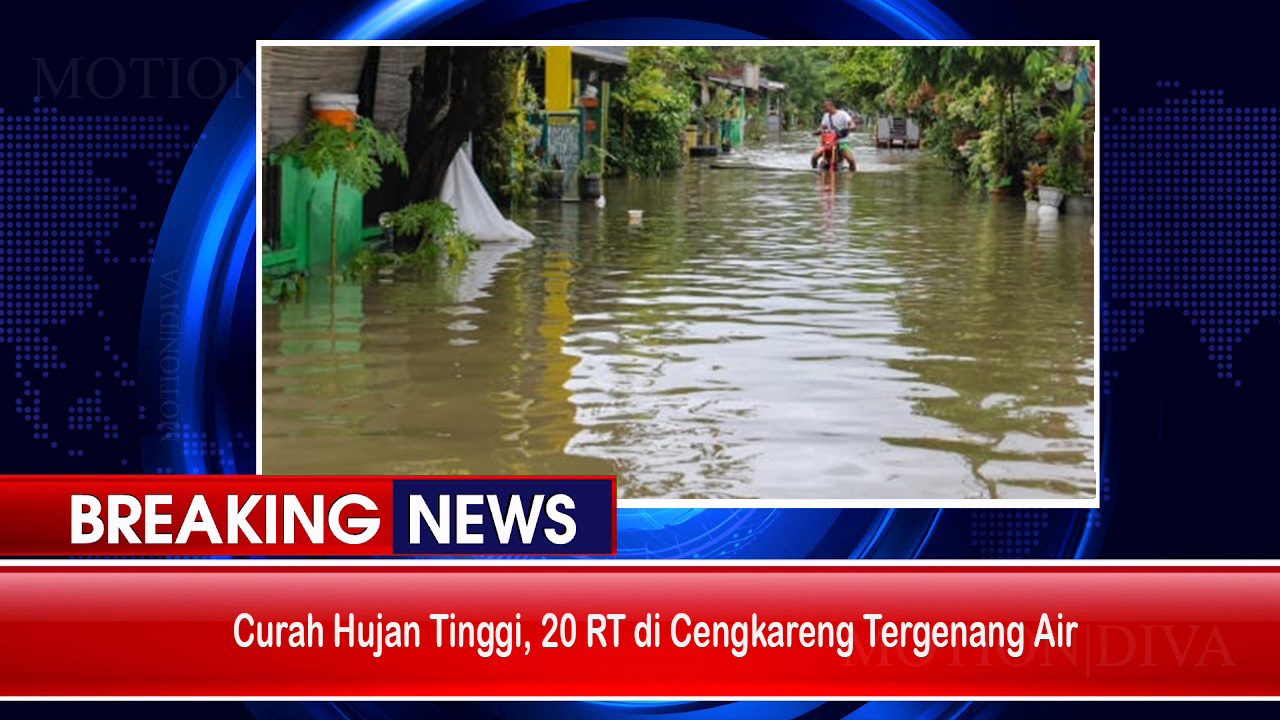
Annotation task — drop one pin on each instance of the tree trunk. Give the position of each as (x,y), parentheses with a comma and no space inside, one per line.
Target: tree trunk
(451,97)
(460,90)
(333,233)
(368,86)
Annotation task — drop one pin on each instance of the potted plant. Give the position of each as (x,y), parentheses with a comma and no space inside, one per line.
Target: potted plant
(355,154)
(1079,204)
(551,186)
(1063,76)
(590,168)
(1064,173)
(1062,179)
(1050,191)
(1032,176)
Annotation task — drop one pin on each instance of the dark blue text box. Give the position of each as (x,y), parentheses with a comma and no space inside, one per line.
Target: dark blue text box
(506,516)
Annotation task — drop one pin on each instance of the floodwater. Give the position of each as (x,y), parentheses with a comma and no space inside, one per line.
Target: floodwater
(772,334)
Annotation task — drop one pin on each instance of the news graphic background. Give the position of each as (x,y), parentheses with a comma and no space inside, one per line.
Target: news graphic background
(127,217)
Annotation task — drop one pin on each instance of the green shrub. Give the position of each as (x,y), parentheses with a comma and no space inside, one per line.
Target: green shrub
(435,226)
(1065,169)
(426,220)
(653,117)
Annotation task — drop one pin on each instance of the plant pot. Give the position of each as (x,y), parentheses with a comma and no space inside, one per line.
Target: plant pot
(1079,205)
(1063,85)
(589,187)
(1050,196)
(552,187)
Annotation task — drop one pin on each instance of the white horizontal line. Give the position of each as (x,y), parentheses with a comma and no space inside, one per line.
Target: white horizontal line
(853,504)
(624,563)
(650,698)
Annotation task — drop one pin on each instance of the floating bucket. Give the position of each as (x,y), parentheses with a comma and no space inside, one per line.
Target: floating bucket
(335,108)
(635,216)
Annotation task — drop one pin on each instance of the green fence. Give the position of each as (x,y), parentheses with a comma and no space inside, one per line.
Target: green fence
(731,132)
(305,210)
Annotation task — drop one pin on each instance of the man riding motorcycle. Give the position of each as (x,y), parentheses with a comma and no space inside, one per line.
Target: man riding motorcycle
(841,124)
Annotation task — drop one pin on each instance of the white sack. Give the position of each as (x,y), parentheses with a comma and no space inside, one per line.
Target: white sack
(477,215)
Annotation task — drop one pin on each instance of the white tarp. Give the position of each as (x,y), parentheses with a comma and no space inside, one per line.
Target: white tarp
(477,215)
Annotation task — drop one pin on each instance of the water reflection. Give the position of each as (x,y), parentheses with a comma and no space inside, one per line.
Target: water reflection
(761,334)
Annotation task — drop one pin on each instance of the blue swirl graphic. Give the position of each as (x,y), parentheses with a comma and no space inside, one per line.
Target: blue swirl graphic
(214,205)
(910,19)
(201,253)
(392,19)
(207,237)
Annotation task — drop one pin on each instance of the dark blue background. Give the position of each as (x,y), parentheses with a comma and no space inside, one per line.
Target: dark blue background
(1189,386)
(592,515)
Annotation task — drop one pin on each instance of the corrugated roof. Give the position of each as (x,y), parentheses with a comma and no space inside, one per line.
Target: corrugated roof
(611,54)
(740,83)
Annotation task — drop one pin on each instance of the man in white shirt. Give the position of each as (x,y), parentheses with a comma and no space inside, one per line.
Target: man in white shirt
(842,123)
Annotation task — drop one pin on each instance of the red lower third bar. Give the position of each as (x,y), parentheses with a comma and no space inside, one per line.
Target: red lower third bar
(613,630)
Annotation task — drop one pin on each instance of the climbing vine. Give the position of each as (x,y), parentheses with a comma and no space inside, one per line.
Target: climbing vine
(503,149)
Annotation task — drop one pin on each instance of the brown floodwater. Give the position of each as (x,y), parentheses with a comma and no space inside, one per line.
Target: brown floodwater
(761,334)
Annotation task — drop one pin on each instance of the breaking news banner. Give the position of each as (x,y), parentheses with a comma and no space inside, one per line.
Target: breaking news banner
(126,516)
(486,359)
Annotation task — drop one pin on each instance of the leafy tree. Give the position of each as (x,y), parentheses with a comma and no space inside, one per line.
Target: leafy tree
(866,72)
(1001,75)
(811,75)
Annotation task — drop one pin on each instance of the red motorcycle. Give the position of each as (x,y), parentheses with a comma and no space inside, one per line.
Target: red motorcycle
(829,151)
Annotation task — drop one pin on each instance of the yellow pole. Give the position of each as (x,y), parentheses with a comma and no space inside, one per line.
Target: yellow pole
(559,83)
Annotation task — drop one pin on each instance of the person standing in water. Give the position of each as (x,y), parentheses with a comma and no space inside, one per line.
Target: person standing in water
(842,123)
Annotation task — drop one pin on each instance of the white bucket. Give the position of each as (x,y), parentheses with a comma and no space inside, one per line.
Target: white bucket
(635,216)
(1050,196)
(334,101)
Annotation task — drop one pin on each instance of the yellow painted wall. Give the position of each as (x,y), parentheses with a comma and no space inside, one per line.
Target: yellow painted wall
(559,84)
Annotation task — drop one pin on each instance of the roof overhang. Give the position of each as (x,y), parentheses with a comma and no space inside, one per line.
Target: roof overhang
(608,55)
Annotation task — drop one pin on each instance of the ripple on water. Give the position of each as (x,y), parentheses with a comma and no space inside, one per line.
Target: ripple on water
(882,334)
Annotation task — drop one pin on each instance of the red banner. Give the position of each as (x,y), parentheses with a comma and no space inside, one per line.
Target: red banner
(189,516)
(38,516)
(623,630)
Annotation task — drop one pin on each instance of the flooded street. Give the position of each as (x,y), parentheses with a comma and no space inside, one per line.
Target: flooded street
(763,333)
